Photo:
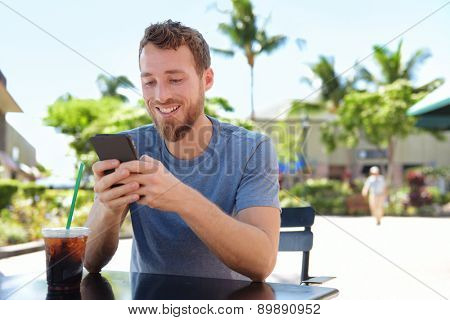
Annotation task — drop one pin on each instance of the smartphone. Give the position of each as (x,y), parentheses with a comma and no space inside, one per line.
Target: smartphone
(114,146)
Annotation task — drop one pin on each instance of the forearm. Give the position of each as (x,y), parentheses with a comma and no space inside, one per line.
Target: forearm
(103,240)
(241,246)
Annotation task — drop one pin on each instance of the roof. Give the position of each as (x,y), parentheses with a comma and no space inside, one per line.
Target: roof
(7,103)
(436,102)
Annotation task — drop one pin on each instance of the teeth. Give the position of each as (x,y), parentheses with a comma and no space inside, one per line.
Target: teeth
(168,110)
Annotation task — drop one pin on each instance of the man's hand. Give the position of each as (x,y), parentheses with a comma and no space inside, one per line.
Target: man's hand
(159,188)
(117,198)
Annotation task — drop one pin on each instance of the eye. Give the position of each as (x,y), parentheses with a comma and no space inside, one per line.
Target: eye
(150,83)
(176,80)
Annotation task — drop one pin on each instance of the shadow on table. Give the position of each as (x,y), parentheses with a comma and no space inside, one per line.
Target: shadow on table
(161,287)
(93,287)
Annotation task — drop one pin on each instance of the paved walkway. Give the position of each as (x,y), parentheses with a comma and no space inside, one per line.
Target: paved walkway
(404,258)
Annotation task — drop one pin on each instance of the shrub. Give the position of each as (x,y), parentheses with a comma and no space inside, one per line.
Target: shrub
(32,191)
(325,196)
(12,233)
(8,188)
(23,220)
(287,200)
(437,197)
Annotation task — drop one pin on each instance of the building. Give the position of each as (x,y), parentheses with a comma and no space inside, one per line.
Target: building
(17,155)
(415,150)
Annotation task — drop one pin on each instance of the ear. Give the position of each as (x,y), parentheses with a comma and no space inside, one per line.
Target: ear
(208,78)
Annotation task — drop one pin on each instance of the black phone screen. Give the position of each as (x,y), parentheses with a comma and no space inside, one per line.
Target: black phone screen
(114,146)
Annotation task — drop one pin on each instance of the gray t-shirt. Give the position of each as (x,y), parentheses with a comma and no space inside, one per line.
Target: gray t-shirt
(237,170)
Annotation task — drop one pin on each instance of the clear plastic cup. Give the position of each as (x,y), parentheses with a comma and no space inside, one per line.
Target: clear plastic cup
(64,251)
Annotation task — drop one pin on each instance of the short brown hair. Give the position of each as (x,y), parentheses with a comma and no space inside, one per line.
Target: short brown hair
(172,35)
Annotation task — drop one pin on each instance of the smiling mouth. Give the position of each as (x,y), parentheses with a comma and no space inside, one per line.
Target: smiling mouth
(166,111)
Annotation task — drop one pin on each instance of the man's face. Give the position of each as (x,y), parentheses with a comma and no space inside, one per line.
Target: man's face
(173,91)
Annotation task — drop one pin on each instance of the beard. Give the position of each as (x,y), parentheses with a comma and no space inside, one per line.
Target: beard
(176,128)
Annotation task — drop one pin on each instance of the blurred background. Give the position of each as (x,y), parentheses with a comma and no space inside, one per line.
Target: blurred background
(339,87)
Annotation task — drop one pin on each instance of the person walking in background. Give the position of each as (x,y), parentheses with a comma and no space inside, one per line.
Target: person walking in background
(375,188)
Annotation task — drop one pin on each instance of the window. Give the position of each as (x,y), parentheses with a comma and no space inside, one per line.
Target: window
(15,154)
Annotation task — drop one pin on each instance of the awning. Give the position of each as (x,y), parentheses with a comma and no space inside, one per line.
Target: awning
(433,111)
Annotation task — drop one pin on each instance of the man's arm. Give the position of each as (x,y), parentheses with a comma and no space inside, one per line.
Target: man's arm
(104,226)
(107,214)
(247,244)
(365,190)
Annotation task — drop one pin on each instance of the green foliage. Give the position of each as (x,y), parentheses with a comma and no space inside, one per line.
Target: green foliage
(287,200)
(378,116)
(329,197)
(12,233)
(32,190)
(8,189)
(23,220)
(439,172)
(398,199)
(84,118)
(325,196)
(437,197)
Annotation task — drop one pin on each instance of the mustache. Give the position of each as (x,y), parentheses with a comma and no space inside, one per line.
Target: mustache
(168,102)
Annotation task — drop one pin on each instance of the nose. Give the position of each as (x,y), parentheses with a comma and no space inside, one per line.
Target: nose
(162,93)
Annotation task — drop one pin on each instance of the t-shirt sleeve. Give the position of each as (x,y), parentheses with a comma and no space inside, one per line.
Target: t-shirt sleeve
(367,184)
(259,184)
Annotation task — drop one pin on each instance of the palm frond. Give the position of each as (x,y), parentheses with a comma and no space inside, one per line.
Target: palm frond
(223,52)
(363,74)
(307,81)
(232,32)
(382,56)
(415,61)
(124,82)
(268,45)
(430,86)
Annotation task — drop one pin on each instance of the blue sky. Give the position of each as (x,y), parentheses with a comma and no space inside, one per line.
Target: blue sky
(39,69)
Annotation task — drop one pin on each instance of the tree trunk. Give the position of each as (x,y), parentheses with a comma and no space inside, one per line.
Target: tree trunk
(252,115)
(390,170)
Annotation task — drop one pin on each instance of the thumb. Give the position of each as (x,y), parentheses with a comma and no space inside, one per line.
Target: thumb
(146,158)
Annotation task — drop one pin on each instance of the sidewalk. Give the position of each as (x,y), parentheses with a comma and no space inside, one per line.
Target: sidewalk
(364,267)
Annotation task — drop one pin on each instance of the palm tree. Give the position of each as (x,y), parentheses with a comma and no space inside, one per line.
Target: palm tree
(392,66)
(245,35)
(331,92)
(108,86)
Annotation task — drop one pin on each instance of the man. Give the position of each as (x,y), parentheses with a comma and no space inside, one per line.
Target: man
(375,187)
(204,195)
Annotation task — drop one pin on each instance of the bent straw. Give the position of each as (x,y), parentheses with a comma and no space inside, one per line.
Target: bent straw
(75,193)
